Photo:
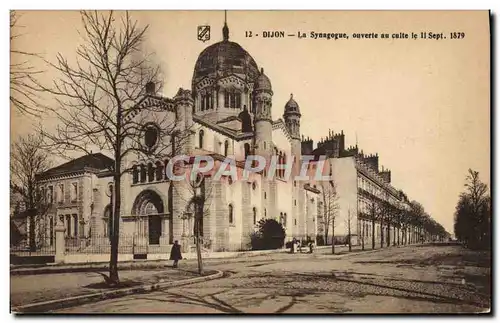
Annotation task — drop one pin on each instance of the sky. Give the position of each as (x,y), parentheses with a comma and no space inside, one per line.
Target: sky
(422,104)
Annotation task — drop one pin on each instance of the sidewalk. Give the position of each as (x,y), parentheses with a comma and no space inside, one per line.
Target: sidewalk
(160,264)
(218,257)
(29,289)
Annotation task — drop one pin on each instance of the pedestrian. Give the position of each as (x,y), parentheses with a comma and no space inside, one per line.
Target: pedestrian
(311,246)
(293,246)
(175,253)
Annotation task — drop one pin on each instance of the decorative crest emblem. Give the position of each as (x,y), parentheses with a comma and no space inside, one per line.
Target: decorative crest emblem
(203,33)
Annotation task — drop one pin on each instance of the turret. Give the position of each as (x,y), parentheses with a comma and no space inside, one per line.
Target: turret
(184,103)
(292,118)
(292,121)
(262,96)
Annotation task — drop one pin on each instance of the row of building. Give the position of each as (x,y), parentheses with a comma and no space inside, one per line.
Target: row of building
(228,112)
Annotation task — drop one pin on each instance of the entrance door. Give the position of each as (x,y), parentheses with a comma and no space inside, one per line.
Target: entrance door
(154,231)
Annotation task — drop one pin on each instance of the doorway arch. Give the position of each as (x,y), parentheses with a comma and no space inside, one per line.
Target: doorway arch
(149,208)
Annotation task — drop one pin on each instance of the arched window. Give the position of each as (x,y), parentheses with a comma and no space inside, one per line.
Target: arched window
(237,100)
(254,215)
(232,99)
(265,213)
(159,171)
(151,172)
(247,149)
(231,215)
(202,108)
(280,162)
(135,175)
(143,174)
(252,106)
(226,147)
(200,138)
(226,99)
(107,221)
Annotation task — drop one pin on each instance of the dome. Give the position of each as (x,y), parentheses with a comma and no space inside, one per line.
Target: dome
(263,82)
(224,58)
(292,106)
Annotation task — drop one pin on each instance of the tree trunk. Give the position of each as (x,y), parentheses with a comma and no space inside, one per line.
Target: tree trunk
(32,232)
(198,215)
(349,231)
(373,233)
(333,236)
(381,233)
(388,242)
(113,261)
(326,233)
(363,235)
(198,253)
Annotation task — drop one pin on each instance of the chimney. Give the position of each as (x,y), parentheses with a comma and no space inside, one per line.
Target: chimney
(386,175)
(150,88)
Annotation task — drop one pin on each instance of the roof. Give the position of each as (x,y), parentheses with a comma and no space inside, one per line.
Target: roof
(224,57)
(292,107)
(92,162)
(263,82)
(233,134)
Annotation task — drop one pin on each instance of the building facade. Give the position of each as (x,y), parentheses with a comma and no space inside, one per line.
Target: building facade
(227,114)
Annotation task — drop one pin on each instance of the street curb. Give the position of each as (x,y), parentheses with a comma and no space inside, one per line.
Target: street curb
(334,256)
(82,299)
(128,265)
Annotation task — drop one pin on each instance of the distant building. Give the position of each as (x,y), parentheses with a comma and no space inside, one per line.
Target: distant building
(360,182)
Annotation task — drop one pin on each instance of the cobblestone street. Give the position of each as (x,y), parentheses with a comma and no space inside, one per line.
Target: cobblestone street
(415,279)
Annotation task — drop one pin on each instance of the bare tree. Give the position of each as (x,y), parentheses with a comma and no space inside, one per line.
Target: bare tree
(330,209)
(473,213)
(373,216)
(198,207)
(103,101)
(417,217)
(27,160)
(349,222)
(23,94)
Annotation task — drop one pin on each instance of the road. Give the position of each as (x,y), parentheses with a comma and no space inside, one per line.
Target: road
(415,279)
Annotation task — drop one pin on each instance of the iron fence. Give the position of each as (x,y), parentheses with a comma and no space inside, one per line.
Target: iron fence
(25,247)
(127,244)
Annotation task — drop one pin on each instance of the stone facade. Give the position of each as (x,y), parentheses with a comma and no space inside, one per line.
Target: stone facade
(226,114)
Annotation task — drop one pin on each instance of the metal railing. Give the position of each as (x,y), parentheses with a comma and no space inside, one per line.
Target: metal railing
(127,244)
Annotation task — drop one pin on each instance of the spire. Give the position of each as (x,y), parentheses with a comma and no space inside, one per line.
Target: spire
(291,96)
(225,29)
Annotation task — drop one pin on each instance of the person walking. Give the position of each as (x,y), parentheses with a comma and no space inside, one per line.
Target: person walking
(175,253)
